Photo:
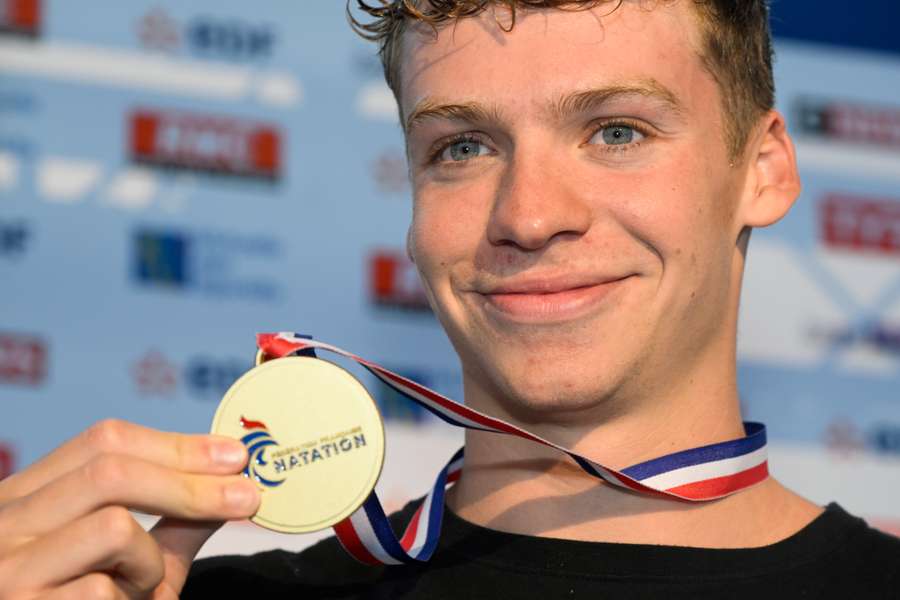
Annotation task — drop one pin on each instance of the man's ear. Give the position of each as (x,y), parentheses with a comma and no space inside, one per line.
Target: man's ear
(773,178)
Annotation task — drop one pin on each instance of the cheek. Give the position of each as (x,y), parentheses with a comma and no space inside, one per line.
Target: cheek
(657,210)
(444,230)
(677,217)
(698,252)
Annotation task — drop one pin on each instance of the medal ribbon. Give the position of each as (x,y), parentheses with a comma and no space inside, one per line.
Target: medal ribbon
(698,474)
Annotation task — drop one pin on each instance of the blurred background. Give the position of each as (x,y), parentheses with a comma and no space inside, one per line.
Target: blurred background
(177,176)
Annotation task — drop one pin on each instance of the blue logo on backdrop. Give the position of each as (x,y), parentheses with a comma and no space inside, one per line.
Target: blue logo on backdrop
(877,336)
(886,439)
(161,258)
(17,102)
(367,64)
(14,239)
(210,378)
(206,263)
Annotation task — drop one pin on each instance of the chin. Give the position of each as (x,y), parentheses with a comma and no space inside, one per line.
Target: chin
(548,373)
(548,391)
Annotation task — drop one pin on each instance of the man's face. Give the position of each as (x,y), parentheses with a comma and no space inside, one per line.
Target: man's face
(574,208)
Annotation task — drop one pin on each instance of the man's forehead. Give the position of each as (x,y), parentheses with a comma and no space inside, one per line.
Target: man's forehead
(560,51)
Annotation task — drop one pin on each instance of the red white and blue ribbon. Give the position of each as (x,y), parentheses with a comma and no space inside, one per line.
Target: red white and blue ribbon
(698,474)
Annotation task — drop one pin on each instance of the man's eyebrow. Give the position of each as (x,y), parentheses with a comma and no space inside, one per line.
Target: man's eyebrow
(573,103)
(465,111)
(587,100)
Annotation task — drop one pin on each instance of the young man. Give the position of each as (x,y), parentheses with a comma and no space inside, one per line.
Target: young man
(585,182)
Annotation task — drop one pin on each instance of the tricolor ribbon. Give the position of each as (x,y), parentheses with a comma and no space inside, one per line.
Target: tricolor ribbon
(698,474)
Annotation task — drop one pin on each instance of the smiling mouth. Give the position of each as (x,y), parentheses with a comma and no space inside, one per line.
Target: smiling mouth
(551,305)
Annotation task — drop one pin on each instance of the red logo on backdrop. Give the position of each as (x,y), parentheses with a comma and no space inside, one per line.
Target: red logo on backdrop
(390,172)
(23,359)
(850,122)
(861,224)
(393,281)
(205,143)
(7,460)
(21,17)
(843,437)
(154,375)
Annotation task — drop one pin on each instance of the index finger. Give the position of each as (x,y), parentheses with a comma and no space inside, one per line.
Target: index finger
(190,453)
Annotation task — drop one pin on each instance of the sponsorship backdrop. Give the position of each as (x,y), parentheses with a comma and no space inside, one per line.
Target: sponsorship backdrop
(175,177)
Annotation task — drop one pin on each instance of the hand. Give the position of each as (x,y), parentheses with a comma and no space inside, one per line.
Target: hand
(65,529)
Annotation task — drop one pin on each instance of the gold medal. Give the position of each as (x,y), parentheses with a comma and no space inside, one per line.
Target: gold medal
(315,439)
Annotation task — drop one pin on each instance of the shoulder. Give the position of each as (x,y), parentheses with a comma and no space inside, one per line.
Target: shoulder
(862,555)
(864,538)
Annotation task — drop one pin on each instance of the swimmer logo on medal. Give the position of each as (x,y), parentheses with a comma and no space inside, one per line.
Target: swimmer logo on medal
(306,453)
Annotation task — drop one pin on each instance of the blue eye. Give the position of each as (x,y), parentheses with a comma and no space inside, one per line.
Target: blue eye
(463,150)
(617,135)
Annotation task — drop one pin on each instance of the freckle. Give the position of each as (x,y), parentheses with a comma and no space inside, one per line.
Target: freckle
(693,258)
(677,251)
(693,294)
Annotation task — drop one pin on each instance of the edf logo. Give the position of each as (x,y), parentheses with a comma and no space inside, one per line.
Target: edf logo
(210,378)
(207,37)
(205,377)
(230,39)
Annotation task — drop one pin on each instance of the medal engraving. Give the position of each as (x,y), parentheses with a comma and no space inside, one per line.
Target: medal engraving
(315,440)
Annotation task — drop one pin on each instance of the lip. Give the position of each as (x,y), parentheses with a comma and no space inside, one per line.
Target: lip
(546,301)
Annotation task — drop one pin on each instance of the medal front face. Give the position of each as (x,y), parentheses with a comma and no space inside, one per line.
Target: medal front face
(315,439)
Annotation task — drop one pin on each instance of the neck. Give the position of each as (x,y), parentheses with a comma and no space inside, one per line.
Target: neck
(515,485)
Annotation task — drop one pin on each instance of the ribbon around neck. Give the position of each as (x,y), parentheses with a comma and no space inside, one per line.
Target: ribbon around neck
(694,475)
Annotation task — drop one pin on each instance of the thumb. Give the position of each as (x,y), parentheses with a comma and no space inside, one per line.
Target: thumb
(180,541)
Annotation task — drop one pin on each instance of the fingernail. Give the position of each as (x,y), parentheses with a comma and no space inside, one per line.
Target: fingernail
(229,453)
(240,496)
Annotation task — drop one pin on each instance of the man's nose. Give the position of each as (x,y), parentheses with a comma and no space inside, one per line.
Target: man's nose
(536,202)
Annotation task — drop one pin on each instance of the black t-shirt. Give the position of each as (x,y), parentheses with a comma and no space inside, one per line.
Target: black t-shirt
(835,556)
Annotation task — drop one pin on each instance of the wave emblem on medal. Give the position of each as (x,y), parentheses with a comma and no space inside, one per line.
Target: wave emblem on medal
(314,436)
